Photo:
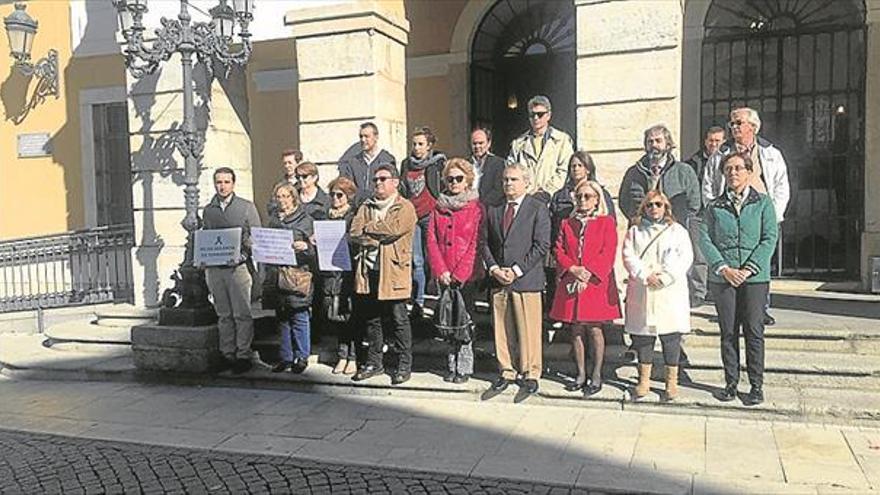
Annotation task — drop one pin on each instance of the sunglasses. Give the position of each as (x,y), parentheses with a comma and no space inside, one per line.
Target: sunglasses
(581,197)
(337,195)
(454,179)
(539,115)
(382,179)
(655,204)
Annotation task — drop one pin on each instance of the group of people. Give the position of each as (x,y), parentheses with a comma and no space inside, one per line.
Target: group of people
(514,229)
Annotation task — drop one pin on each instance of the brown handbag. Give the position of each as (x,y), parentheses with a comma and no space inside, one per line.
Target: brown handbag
(295,280)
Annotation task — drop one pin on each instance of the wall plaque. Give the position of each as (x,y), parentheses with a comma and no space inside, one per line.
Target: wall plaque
(34,144)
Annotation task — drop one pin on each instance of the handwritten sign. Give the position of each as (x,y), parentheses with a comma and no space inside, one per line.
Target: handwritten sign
(332,243)
(217,246)
(273,246)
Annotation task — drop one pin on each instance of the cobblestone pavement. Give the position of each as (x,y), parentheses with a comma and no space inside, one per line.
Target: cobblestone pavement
(38,463)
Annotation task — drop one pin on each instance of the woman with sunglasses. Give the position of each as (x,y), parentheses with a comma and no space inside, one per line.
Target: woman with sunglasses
(420,176)
(314,200)
(586,293)
(657,254)
(580,167)
(453,238)
(337,287)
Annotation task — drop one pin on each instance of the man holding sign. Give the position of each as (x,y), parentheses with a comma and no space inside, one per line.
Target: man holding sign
(230,284)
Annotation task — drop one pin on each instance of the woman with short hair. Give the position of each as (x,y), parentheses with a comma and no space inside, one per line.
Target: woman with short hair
(314,200)
(657,254)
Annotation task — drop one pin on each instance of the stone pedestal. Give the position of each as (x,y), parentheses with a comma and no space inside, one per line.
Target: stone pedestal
(177,349)
(871,233)
(352,68)
(155,108)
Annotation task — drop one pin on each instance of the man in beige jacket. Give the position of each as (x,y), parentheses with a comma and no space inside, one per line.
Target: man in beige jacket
(544,149)
(381,232)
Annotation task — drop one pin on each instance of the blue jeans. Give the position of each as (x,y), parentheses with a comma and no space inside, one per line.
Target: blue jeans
(295,335)
(418,262)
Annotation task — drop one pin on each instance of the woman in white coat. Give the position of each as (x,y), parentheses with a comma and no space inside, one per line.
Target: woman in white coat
(657,254)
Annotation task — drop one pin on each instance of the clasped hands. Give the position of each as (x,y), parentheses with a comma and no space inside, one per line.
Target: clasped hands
(582,276)
(504,276)
(734,276)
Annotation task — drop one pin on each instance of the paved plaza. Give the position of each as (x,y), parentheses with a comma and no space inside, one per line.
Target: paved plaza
(477,443)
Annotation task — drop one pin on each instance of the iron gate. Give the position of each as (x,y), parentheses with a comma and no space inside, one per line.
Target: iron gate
(801,65)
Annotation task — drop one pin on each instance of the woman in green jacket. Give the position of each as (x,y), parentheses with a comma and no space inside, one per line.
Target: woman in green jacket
(738,237)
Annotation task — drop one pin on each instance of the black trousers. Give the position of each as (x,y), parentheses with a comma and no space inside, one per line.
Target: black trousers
(741,307)
(671,344)
(383,322)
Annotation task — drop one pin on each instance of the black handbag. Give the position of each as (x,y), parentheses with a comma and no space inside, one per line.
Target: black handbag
(451,317)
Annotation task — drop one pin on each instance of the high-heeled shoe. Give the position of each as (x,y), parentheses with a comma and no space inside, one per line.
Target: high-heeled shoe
(574,386)
(592,389)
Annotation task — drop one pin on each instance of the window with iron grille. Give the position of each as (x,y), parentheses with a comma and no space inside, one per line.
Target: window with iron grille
(112,164)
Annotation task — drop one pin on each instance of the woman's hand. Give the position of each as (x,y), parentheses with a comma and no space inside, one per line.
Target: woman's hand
(653,281)
(734,277)
(446,278)
(581,273)
(300,246)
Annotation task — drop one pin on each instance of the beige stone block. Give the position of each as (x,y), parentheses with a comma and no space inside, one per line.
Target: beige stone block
(865,444)
(168,77)
(606,436)
(325,142)
(741,449)
(159,227)
(153,152)
(670,443)
(620,126)
(335,55)
(612,166)
(152,267)
(628,76)
(359,97)
(152,189)
(821,456)
(722,485)
(627,26)
(387,17)
(155,113)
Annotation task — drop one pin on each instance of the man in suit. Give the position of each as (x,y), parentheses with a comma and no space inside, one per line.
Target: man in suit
(488,168)
(516,241)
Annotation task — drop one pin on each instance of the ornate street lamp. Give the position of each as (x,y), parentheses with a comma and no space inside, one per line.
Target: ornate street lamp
(210,42)
(21,30)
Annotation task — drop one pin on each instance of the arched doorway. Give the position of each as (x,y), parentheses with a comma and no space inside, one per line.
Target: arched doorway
(801,64)
(523,48)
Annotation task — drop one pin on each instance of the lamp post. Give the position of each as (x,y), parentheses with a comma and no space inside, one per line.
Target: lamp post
(209,41)
(21,30)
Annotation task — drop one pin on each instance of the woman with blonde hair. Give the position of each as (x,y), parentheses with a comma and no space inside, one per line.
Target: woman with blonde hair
(586,293)
(657,254)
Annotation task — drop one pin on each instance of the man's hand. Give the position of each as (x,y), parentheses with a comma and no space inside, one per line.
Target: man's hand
(733,276)
(446,278)
(300,246)
(501,275)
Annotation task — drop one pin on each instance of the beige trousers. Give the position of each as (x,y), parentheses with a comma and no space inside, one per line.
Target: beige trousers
(231,288)
(517,320)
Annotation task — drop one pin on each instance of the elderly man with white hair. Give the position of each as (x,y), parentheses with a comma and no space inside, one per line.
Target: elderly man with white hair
(544,149)
(770,175)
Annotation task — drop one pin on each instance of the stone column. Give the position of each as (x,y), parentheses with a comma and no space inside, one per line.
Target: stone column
(628,78)
(871,233)
(155,105)
(352,68)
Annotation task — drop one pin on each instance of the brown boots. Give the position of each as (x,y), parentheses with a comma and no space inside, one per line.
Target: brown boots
(644,385)
(671,382)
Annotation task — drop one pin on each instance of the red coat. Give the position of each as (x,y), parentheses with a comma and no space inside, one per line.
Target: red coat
(599,301)
(453,239)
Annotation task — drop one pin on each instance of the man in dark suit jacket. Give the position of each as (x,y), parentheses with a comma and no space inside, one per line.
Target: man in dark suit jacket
(488,168)
(516,241)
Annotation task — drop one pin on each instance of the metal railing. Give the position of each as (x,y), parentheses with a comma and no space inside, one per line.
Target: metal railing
(70,269)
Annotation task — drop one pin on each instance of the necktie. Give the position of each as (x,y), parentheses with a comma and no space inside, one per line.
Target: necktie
(508,216)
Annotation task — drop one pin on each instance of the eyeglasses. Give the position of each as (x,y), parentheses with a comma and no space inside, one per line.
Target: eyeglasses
(539,115)
(655,204)
(454,179)
(302,177)
(382,178)
(582,197)
(734,168)
(736,123)
(337,194)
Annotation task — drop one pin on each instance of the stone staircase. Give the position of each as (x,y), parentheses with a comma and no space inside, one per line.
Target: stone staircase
(819,365)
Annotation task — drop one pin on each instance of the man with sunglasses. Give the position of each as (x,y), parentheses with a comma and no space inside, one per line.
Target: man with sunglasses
(382,233)
(770,175)
(544,149)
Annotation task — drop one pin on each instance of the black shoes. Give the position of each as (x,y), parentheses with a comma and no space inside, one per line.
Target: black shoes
(367,372)
(299,365)
(531,386)
(728,394)
(755,397)
(224,364)
(242,366)
(500,385)
(400,377)
(461,379)
(769,321)
(592,388)
(450,377)
(574,386)
(282,367)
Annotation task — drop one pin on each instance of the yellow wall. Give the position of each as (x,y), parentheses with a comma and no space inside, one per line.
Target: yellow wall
(44,195)
(273,118)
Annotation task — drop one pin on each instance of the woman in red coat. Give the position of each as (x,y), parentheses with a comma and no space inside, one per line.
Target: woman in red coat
(586,293)
(453,238)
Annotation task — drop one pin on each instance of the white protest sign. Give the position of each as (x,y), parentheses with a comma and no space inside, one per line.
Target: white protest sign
(217,246)
(273,246)
(333,254)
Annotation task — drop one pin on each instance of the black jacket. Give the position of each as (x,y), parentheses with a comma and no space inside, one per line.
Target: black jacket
(525,245)
(355,168)
(317,207)
(492,181)
(302,226)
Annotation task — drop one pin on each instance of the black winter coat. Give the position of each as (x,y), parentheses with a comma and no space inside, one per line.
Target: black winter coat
(302,226)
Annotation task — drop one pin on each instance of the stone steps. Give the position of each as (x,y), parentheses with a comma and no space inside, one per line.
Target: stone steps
(91,332)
